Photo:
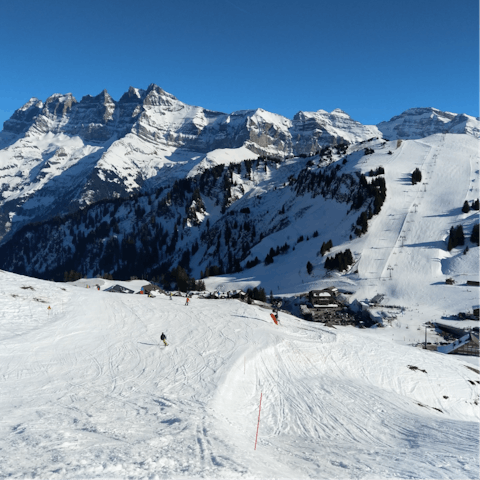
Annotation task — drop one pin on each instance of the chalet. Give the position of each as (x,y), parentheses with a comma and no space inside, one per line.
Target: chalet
(466,345)
(323,307)
(324,299)
(151,289)
(473,283)
(119,289)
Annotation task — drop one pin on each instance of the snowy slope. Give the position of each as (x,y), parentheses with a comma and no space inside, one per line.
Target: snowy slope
(88,392)
(419,217)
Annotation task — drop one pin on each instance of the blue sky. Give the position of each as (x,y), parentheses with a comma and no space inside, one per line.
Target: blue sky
(371,58)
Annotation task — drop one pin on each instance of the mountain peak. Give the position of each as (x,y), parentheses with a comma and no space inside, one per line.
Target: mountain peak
(156,96)
(34,101)
(23,118)
(59,104)
(339,111)
(422,122)
(132,94)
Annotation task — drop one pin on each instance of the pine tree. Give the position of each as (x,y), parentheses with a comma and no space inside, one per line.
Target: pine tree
(474,236)
(456,237)
(268,259)
(466,207)
(326,246)
(309,268)
(416,176)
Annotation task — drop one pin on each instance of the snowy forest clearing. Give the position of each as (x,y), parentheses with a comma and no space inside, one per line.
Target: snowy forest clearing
(89,391)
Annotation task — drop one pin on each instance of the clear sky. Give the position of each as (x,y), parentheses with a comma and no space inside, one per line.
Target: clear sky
(371,58)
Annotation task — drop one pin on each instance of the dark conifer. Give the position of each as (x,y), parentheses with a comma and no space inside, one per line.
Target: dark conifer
(309,268)
(474,236)
(416,176)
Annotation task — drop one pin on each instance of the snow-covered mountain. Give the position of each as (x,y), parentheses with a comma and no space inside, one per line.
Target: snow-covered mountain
(60,155)
(417,123)
(183,186)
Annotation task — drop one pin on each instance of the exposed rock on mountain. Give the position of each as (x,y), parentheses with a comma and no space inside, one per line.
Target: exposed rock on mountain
(421,122)
(115,148)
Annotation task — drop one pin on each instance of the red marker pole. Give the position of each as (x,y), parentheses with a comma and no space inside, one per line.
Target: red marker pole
(258,424)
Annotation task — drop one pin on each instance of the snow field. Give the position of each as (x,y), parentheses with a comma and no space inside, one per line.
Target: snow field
(89,391)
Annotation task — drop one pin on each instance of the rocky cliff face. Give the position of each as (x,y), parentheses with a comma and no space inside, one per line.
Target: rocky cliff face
(313,130)
(421,122)
(159,117)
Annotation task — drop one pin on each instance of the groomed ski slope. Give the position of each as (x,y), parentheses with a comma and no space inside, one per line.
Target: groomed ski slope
(89,391)
(407,241)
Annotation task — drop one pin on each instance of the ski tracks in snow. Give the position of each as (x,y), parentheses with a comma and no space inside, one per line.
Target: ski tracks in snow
(94,394)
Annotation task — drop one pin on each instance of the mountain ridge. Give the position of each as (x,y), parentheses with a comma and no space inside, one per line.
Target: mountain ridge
(62,154)
(147,139)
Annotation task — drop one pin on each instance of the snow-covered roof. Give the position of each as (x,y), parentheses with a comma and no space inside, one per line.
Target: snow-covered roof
(460,342)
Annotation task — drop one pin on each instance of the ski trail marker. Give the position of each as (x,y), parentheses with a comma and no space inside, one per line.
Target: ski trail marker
(258,423)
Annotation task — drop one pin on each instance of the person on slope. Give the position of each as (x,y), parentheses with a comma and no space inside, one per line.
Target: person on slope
(187,301)
(163,337)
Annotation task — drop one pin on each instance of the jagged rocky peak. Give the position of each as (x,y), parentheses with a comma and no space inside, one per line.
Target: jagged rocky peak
(59,104)
(98,109)
(156,96)
(102,98)
(34,102)
(132,95)
(22,119)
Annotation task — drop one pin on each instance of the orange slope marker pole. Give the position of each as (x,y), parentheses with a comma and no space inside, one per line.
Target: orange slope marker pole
(258,423)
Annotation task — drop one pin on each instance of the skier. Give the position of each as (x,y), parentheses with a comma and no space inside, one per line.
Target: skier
(186,301)
(171,295)
(163,337)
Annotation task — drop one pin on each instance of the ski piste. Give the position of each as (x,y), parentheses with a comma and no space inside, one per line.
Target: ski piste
(193,412)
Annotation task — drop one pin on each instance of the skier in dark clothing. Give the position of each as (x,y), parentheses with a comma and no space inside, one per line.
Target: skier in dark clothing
(164,338)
